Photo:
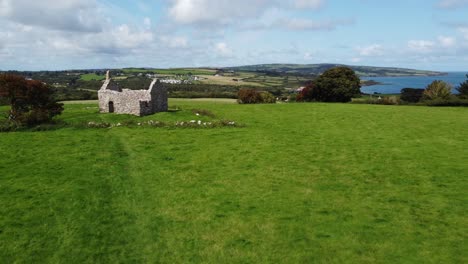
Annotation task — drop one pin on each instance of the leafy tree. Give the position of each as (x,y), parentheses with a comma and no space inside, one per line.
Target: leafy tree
(437,90)
(338,84)
(463,89)
(411,95)
(31,101)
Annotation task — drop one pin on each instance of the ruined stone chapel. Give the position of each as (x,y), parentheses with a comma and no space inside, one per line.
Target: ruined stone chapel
(113,99)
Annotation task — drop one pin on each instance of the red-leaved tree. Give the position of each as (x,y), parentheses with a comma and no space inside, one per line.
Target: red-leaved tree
(306,94)
(31,101)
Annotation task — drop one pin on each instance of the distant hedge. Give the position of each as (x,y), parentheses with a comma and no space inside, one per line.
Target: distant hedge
(453,101)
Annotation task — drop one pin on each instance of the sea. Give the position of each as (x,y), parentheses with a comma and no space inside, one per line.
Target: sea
(393,85)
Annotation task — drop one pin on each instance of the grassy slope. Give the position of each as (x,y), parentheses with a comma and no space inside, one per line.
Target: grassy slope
(300,183)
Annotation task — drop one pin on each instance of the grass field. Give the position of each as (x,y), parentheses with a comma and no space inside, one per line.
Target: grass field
(92,76)
(227,80)
(258,80)
(299,183)
(194,71)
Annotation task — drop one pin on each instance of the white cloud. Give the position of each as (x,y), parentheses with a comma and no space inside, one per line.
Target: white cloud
(464,32)
(307,24)
(308,56)
(311,4)
(447,42)
(451,4)
(127,38)
(372,50)
(223,50)
(422,46)
(174,42)
(63,44)
(5,7)
(219,11)
(68,28)
(147,22)
(222,12)
(69,15)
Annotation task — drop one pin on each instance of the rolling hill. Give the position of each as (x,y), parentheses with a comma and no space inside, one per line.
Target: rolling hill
(316,69)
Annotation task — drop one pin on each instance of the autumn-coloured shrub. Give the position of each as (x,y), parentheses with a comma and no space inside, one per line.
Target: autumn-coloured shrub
(248,96)
(437,90)
(267,98)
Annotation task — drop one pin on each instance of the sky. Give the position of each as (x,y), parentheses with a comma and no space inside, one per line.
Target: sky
(91,34)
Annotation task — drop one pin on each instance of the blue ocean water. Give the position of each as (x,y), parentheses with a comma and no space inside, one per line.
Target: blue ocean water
(393,85)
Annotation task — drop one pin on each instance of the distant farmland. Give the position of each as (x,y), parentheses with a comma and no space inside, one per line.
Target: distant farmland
(171,71)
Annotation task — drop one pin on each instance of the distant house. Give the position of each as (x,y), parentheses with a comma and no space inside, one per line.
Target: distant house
(172,81)
(300,89)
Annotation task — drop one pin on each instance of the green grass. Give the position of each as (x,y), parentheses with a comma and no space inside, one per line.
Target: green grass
(92,76)
(300,183)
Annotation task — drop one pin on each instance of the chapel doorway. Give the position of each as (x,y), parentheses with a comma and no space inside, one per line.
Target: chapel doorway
(111,107)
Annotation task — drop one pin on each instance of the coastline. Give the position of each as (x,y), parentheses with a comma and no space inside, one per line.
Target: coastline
(394,84)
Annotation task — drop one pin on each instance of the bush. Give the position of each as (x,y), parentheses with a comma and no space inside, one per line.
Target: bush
(439,90)
(267,98)
(338,84)
(391,100)
(452,101)
(31,102)
(249,96)
(7,126)
(463,89)
(3,101)
(411,95)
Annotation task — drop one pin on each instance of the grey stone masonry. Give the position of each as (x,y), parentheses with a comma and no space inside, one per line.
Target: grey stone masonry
(112,99)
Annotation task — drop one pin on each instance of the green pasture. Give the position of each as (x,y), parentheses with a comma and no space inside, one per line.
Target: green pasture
(194,71)
(298,183)
(92,76)
(279,81)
